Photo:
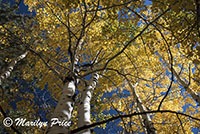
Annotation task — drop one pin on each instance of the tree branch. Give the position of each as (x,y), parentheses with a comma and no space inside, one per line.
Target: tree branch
(128,44)
(130,115)
(55,71)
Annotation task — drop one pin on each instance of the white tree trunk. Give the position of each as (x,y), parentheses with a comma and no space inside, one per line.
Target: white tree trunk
(146,120)
(194,95)
(63,110)
(8,71)
(84,107)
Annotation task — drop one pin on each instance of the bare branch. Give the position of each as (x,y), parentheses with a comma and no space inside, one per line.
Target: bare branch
(170,53)
(181,123)
(54,70)
(60,19)
(130,115)
(105,8)
(128,44)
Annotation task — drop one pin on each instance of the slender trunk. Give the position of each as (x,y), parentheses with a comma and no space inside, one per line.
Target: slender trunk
(194,95)
(63,110)
(60,120)
(84,107)
(5,75)
(146,120)
(142,123)
(8,71)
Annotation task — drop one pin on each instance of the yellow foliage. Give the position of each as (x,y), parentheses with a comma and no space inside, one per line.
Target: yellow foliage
(109,35)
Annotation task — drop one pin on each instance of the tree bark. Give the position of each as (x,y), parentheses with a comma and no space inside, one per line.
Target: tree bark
(10,68)
(194,95)
(63,110)
(84,107)
(146,120)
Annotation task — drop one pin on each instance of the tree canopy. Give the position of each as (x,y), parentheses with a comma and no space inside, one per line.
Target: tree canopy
(117,66)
